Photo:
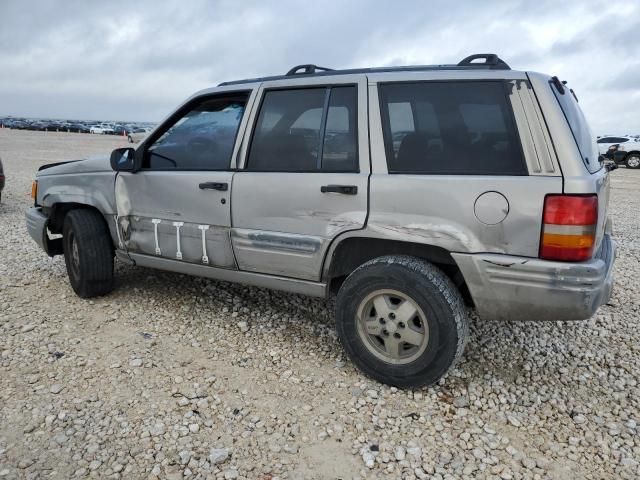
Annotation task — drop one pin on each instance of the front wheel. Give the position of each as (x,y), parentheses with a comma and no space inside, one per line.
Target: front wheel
(633,160)
(88,253)
(401,321)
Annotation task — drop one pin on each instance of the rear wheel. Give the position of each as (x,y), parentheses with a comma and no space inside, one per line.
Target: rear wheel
(88,253)
(401,321)
(633,160)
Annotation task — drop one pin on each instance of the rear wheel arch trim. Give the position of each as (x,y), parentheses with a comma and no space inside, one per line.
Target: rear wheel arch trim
(434,254)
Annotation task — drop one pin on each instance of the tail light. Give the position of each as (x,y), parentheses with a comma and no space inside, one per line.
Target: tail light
(569,227)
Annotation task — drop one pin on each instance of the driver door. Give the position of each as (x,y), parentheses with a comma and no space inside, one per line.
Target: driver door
(177,206)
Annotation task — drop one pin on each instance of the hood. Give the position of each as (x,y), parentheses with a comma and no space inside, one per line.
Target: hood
(95,164)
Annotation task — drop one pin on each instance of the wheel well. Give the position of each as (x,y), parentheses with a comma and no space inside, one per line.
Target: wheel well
(58,211)
(353,252)
(57,214)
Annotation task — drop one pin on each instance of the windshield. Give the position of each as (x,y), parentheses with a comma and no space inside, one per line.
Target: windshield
(579,126)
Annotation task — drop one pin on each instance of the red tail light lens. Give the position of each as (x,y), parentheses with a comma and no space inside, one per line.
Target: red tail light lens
(569,227)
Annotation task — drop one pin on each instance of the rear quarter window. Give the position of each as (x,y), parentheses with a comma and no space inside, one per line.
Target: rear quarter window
(450,127)
(579,126)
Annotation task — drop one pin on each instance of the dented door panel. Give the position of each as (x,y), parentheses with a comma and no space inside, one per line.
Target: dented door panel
(442,211)
(283,222)
(172,198)
(141,238)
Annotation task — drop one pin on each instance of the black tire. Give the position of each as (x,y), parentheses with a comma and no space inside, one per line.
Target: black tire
(90,264)
(129,139)
(632,160)
(432,291)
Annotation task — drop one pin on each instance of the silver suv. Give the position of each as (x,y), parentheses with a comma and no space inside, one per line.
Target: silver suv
(408,192)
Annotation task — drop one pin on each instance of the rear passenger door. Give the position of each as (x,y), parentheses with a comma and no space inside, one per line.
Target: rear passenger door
(304,175)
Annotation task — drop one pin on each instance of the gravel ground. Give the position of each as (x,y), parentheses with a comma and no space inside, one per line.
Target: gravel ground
(172,376)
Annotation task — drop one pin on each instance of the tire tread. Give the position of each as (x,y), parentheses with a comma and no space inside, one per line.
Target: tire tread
(96,263)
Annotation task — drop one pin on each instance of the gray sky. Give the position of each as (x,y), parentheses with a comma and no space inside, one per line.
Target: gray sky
(129,60)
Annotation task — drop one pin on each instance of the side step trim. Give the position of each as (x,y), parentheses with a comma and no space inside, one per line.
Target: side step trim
(304,287)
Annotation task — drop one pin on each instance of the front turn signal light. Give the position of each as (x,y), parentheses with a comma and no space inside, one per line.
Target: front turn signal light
(34,190)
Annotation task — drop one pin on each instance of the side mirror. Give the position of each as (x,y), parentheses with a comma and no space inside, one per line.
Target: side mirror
(122,159)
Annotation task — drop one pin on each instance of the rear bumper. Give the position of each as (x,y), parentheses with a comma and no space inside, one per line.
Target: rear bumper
(506,287)
(37,226)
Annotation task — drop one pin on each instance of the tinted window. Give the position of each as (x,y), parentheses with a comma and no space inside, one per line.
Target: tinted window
(202,139)
(620,140)
(579,128)
(605,140)
(450,128)
(304,130)
(340,152)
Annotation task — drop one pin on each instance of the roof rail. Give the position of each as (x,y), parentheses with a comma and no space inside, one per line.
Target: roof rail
(491,60)
(307,68)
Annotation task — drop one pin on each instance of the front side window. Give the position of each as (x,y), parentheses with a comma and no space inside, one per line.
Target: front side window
(454,127)
(201,139)
(306,130)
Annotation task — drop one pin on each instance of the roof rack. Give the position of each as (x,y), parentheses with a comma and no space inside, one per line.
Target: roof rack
(307,68)
(491,61)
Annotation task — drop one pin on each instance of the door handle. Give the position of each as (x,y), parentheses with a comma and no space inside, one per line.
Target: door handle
(223,187)
(344,189)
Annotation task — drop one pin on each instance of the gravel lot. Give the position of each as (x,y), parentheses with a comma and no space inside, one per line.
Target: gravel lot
(173,376)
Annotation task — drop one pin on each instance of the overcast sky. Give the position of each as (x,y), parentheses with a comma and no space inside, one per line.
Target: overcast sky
(136,60)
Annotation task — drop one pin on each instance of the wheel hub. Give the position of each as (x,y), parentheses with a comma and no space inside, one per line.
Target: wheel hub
(392,326)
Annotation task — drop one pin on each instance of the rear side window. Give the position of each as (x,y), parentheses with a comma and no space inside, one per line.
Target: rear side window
(454,127)
(306,130)
(579,127)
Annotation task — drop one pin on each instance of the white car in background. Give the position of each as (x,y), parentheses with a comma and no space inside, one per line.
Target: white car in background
(101,128)
(622,150)
(608,140)
(138,134)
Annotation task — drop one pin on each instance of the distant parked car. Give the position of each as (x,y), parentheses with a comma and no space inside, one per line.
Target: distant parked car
(604,143)
(78,128)
(121,130)
(137,135)
(100,129)
(1,179)
(626,153)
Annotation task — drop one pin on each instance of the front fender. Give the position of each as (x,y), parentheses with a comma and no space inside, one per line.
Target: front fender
(95,190)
